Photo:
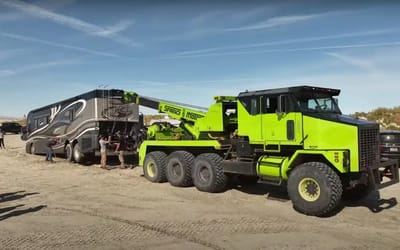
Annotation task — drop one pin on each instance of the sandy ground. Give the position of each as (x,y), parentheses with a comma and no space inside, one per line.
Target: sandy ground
(68,206)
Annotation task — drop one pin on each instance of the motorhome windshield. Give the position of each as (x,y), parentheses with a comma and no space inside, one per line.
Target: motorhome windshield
(312,102)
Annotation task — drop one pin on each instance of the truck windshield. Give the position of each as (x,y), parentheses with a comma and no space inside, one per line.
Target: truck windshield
(317,103)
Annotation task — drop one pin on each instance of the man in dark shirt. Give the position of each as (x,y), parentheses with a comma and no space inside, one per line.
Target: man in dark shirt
(49,149)
(120,148)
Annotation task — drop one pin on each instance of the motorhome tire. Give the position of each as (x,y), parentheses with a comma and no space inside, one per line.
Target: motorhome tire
(77,154)
(32,149)
(68,153)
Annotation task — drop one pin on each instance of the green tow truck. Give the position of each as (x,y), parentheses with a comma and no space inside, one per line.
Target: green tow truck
(295,137)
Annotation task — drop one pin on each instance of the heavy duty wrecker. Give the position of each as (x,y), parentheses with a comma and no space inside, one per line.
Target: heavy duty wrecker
(295,137)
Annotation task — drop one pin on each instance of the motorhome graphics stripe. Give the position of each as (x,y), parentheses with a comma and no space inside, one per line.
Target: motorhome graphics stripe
(62,145)
(77,137)
(69,133)
(52,116)
(83,101)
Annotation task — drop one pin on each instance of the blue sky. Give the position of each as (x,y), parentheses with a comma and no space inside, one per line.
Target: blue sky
(189,52)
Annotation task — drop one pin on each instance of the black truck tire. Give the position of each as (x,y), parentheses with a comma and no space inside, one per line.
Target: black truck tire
(154,166)
(208,174)
(179,168)
(314,188)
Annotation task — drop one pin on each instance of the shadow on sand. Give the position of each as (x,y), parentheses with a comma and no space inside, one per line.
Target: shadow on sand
(14,196)
(13,211)
(373,201)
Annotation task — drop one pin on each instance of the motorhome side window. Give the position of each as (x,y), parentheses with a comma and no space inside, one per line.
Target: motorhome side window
(42,121)
(75,110)
(68,115)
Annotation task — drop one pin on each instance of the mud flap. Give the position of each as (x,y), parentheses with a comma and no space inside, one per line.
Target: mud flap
(388,169)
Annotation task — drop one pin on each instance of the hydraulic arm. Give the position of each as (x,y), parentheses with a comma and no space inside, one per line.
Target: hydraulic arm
(187,116)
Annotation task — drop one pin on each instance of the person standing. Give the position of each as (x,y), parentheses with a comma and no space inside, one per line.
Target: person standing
(2,133)
(120,148)
(49,149)
(103,151)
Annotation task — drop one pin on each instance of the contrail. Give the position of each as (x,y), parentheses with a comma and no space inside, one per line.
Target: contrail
(389,44)
(59,45)
(70,22)
(292,41)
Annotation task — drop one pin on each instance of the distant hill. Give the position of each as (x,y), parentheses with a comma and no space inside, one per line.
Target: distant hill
(3,118)
(21,121)
(388,118)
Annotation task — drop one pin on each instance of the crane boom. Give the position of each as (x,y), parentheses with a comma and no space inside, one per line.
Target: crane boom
(172,109)
(182,112)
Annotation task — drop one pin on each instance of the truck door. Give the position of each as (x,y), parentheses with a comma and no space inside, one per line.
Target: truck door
(249,119)
(281,125)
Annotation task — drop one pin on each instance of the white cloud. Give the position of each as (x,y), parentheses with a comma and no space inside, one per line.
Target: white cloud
(192,83)
(36,66)
(49,4)
(118,27)
(233,53)
(59,45)
(241,15)
(292,41)
(284,20)
(233,15)
(10,16)
(205,18)
(53,5)
(71,22)
(192,34)
(7,72)
(10,53)
(364,64)
(276,21)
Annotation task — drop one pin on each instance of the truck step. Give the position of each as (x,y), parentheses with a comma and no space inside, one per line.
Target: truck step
(271,181)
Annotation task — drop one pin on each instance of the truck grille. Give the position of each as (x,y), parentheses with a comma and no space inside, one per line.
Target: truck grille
(369,146)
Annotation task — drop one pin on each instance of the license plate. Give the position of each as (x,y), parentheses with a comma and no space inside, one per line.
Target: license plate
(393,149)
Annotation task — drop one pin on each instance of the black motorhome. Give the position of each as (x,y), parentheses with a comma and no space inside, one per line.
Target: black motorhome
(78,122)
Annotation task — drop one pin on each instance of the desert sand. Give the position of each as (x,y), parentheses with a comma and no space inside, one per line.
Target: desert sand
(63,205)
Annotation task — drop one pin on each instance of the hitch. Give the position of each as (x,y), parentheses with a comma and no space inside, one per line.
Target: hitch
(388,169)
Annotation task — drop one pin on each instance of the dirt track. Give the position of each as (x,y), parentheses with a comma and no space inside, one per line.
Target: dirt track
(68,206)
